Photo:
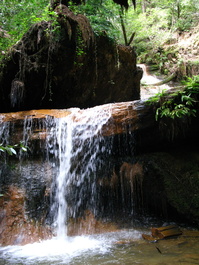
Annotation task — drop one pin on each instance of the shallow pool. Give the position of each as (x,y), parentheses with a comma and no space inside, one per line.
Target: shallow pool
(122,247)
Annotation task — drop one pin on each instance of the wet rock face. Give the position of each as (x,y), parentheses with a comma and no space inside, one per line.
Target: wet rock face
(66,65)
(168,184)
(15,227)
(163,184)
(24,202)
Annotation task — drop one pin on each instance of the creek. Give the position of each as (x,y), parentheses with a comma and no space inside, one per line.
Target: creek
(148,84)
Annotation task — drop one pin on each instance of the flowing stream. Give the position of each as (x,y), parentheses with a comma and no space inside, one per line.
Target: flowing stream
(148,84)
(78,146)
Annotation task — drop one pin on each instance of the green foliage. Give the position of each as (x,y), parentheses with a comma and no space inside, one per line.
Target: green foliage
(12,149)
(16,17)
(192,84)
(152,21)
(179,104)
(80,49)
(150,27)
(156,98)
(157,21)
(173,110)
(53,32)
(103,15)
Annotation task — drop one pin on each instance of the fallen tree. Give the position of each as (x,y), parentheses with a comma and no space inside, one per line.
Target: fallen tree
(166,80)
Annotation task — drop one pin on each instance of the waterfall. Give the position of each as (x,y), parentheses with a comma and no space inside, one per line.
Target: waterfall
(76,153)
(70,175)
(79,153)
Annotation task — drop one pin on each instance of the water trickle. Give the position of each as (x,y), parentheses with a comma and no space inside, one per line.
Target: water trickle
(117,57)
(27,130)
(4,133)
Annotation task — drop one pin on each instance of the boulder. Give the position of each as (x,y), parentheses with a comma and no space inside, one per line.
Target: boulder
(62,63)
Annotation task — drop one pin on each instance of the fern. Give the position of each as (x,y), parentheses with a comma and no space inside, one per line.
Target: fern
(180,103)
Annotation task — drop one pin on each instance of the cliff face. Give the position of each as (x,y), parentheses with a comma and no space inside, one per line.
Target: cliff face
(61,64)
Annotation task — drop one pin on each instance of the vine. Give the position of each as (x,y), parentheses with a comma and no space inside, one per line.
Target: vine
(80,46)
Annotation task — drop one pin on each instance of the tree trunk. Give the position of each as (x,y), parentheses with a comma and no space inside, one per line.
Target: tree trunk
(123,27)
(166,80)
(143,6)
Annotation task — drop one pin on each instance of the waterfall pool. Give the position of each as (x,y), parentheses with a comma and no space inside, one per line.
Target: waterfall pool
(122,247)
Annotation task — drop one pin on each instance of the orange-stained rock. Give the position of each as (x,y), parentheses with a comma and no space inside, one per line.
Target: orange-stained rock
(35,114)
(15,228)
(123,115)
(88,225)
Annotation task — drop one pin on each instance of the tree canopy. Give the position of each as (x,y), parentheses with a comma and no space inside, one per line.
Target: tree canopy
(152,20)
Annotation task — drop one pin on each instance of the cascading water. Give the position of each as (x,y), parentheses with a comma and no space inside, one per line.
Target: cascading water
(79,152)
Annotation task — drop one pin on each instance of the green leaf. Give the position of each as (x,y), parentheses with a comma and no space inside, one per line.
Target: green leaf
(24,149)
(13,150)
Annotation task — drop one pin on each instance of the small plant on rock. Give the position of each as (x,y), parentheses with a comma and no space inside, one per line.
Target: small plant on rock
(12,149)
(180,103)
